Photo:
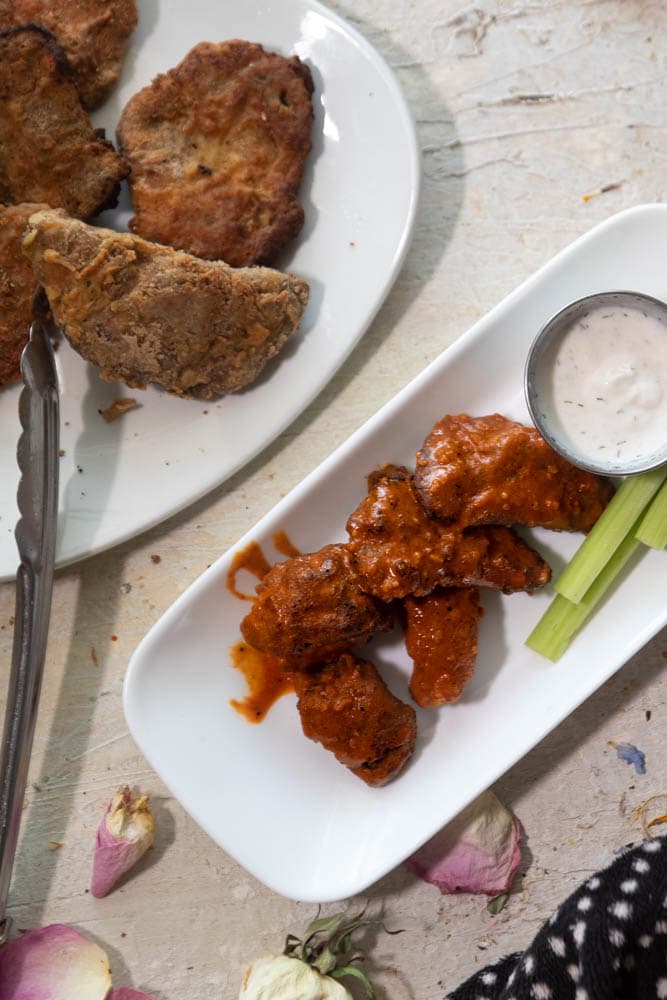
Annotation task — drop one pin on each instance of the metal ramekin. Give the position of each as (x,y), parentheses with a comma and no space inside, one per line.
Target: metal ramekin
(545,341)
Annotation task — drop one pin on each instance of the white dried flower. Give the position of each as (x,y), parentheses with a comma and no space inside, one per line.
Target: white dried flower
(310,969)
(278,976)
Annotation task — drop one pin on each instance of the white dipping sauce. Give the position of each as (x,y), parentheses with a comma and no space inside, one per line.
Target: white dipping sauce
(603,386)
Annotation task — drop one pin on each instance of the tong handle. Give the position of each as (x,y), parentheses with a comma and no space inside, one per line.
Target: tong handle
(22,702)
(37,456)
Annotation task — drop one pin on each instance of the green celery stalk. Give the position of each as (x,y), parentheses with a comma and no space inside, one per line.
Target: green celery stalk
(653,526)
(616,521)
(562,619)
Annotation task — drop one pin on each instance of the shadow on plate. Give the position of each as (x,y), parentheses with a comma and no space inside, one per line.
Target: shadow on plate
(73,515)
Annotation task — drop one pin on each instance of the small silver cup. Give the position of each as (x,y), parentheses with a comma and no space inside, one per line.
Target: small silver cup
(540,357)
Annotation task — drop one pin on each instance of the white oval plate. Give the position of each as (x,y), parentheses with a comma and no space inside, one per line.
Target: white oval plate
(360,193)
(283,806)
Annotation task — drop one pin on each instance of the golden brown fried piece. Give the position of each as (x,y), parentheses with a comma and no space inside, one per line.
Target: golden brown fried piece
(347,707)
(92,33)
(18,288)
(310,609)
(144,313)
(441,638)
(491,470)
(397,549)
(49,151)
(217,147)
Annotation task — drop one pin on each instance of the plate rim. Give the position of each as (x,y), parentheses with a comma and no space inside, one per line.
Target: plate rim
(439,365)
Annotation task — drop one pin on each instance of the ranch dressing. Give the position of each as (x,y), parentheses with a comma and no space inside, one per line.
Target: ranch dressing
(602,387)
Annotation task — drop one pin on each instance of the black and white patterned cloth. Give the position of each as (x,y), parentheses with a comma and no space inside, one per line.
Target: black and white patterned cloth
(608,941)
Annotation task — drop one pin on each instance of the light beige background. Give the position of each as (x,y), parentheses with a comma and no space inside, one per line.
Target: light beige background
(522,108)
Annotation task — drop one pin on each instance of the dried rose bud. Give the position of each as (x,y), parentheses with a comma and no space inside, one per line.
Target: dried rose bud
(55,962)
(478,852)
(124,835)
(277,976)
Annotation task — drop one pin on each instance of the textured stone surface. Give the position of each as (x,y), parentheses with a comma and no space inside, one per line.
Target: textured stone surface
(522,108)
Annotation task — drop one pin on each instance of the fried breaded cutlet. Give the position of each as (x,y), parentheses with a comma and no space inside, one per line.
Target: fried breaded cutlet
(148,314)
(309,609)
(18,287)
(491,470)
(92,33)
(217,147)
(347,707)
(49,151)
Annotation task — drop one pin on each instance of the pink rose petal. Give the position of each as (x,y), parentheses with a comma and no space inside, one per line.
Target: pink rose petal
(123,837)
(124,993)
(478,852)
(53,963)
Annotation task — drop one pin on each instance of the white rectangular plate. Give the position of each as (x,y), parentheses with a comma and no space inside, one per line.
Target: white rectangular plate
(282,806)
(119,479)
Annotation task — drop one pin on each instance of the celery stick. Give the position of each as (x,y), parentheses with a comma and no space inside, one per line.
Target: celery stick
(555,629)
(653,526)
(616,521)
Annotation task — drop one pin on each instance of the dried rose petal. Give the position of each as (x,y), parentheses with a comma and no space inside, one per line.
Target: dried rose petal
(53,963)
(124,835)
(124,993)
(478,852)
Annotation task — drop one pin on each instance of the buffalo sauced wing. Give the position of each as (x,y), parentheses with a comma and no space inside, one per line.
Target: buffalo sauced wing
(92,33)
(441,638)
(147,314)
(347,707)
(491,470)
(398,549)
(217,147)
(309,609)
(494,556)
(49,151)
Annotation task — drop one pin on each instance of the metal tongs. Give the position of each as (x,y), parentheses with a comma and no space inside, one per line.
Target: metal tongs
(37,456)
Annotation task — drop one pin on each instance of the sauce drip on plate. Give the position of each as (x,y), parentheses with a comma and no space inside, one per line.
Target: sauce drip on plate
(268,678)
(283,544)
(252,559)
